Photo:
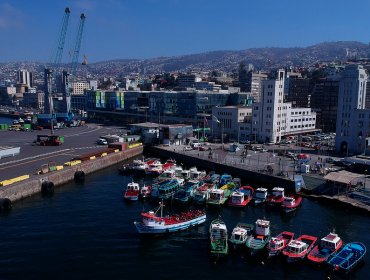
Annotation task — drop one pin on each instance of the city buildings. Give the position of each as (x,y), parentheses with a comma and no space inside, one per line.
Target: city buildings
(25,78)
(273,119)
(353,120)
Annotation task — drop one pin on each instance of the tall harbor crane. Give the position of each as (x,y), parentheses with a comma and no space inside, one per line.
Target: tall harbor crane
(55,62)
(72,68)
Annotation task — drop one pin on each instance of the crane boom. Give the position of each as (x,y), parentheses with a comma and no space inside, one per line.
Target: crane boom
(78,45)
(62,38)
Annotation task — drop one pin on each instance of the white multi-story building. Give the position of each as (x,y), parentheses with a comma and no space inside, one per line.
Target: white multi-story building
(353,120)
(25,78)
(78,88)
(232,120)
(273,119)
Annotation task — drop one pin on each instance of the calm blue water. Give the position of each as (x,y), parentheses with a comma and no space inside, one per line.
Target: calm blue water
(87,232)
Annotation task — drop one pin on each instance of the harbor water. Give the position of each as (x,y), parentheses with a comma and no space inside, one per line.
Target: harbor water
(86,231)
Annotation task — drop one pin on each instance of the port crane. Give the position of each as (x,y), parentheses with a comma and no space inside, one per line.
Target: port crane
(66,90)
(48,79)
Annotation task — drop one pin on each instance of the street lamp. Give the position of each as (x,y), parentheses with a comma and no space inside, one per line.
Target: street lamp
(222,129)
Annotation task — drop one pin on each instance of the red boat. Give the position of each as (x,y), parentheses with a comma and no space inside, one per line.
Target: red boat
(277,244)
(132,191)
(299,248)
(328,246)
(241,197)
(291,203)
(276,198)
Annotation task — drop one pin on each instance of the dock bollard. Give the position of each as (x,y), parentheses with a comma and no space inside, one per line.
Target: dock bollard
(5,204)
(47,187)
(79,177)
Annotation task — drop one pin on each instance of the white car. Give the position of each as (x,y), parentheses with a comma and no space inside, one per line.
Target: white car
(101,141)
(188,148)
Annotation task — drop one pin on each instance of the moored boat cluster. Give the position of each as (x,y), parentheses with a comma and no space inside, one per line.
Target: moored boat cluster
(184,186)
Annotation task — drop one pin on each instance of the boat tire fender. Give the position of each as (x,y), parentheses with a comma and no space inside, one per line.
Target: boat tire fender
(47,187)
(79,177)
(5,204)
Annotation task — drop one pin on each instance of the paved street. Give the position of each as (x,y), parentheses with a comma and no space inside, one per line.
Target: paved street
(78,141)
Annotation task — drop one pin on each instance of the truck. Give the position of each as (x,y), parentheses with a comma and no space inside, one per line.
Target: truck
(49,140)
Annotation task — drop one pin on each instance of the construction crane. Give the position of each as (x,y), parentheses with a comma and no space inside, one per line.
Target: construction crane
(66,90)
(76,51)
(48,79)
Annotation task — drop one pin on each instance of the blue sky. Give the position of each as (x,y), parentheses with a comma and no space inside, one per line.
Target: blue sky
(152,28)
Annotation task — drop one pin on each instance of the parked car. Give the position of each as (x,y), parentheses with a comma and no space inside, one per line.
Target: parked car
(188,148)
(101,141)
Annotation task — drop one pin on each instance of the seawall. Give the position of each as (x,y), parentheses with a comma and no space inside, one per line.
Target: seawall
(33,185)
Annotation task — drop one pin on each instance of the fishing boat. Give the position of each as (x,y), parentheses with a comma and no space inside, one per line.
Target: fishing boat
(168,174)
(139,166)
(201,193)
(276,198)
(168,189)
(328,245)
(132,191)
(348,257)
(291,203)
(299,248)
(153,224)
(237,199)
(145,192)
(261,236)
(260,196)
(225,178)
(241,197)
(247,191)
(185,193)
(237,182)
(240,234)
(185,174)
(218,197)
(154,168)
(196,174)
(218,238)
(278,243)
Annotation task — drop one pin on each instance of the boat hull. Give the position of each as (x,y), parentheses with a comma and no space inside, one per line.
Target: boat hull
(143,229)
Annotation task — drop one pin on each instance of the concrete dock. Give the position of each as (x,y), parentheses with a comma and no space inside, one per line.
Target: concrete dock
(27,165)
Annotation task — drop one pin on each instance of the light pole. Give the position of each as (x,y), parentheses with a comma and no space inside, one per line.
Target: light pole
(222,129)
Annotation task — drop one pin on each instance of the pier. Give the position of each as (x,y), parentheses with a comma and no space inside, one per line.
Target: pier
(38,168)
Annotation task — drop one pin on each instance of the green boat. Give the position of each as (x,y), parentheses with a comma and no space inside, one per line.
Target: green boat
(218,238)
(240,234)
(257,242)
(218,197)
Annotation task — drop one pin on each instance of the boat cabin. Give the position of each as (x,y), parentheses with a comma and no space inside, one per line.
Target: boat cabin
(278,192)
(132,186)
(237,198)
(185,174)
(297,247)
(331,241)
(217,195)
(262,227)
(196,174)
(288,201)
(239,234)
(178,170)
(261,193)
(144,191)
(276,243)
(225,178)
(167,174)
(218,231)
(150,219)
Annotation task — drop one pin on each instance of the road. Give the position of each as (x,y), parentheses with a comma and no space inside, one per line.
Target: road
(78,141)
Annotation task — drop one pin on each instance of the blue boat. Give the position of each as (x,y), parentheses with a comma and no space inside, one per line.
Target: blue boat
(186,192)
(347,257)
(168,189)
(225,178)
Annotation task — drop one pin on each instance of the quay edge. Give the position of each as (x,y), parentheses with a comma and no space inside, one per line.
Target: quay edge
(33,185)
(247,176)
